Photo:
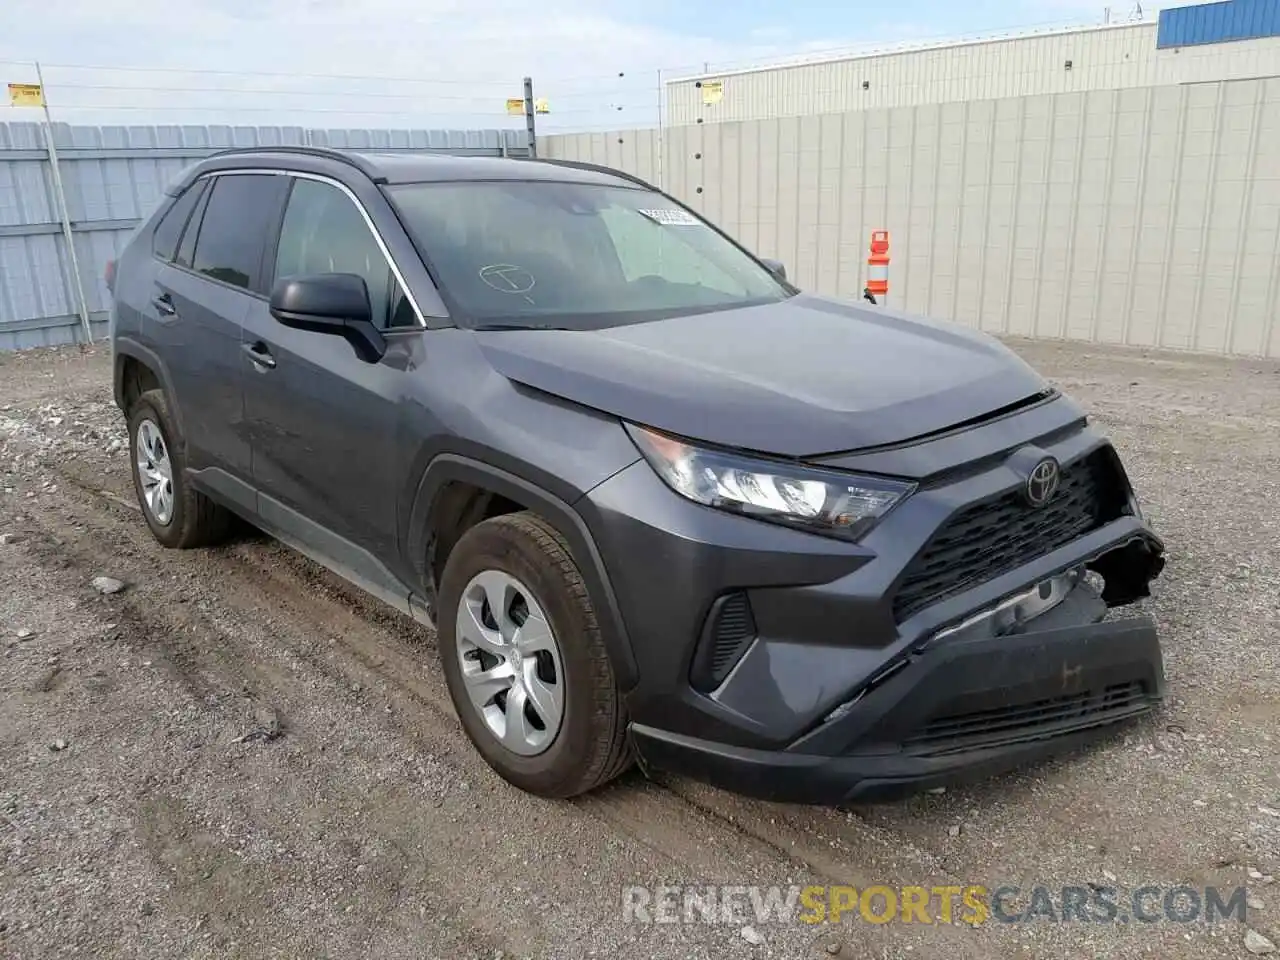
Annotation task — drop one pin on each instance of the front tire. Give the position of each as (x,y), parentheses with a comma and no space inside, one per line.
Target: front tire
(179,516)
(525,662)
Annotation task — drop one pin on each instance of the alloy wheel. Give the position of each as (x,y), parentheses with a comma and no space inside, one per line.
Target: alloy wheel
(155,471)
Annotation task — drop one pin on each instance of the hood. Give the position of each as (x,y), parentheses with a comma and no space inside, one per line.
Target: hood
(798,378)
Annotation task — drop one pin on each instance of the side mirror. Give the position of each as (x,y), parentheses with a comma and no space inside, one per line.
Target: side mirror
(775,266)
(330,303)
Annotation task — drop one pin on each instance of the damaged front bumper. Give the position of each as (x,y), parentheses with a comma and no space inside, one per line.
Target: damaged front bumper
(1038,673)
(962,710)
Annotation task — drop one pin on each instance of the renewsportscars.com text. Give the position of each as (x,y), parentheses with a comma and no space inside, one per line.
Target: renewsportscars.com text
(936,904)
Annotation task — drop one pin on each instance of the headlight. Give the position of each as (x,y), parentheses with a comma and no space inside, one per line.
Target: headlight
(821,501)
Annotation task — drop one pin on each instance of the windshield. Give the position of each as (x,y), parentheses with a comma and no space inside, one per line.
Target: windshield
(573,255)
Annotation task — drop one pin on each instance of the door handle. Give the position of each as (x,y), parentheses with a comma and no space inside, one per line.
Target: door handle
(260,355)
(164,305)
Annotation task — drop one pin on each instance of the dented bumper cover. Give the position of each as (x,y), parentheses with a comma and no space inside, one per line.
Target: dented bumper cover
(1040,673)
(960,710)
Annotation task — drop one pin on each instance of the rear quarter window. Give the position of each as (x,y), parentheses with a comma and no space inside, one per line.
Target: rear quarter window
(187,245)
(164,241)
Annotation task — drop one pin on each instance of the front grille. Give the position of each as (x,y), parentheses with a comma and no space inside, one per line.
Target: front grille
(987,539)
(1034,720)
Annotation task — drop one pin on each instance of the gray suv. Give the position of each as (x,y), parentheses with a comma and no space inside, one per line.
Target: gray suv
(662,505)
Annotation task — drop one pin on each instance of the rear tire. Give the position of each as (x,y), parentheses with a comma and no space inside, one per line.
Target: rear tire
(522,559)
(178,515)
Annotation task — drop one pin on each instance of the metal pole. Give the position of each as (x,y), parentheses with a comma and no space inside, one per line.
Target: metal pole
(528,117)
(61,196)
(661,124)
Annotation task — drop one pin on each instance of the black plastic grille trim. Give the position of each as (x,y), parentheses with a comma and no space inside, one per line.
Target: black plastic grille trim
(987,539)
(727,634)
(1032,720)
(732,627)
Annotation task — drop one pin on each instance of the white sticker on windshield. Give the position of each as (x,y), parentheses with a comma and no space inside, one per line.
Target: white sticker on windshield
(671,218)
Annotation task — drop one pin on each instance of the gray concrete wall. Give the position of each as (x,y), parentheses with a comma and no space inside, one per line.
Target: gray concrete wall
(1146,216)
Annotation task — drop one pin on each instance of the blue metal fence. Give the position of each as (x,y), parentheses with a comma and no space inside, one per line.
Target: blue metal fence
(113,177)
(1218,22)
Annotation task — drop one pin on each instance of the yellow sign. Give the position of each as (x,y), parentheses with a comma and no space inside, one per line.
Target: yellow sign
(712,92)
(515,106)
(26,95)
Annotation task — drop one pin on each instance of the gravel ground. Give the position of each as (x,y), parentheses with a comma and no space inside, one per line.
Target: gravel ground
(237,755)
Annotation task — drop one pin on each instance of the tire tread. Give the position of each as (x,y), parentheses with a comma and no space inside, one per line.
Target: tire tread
(613,754)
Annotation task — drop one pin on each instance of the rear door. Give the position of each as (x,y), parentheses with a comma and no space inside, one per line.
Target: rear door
(201,300)
(136,309)
(324,422)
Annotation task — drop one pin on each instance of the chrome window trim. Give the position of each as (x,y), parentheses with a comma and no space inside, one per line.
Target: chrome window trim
(364,214)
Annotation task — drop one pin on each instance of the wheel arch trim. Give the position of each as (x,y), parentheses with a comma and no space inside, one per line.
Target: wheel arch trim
(123,349)
(451,467)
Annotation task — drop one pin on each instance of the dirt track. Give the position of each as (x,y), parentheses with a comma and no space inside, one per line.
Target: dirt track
(356,821)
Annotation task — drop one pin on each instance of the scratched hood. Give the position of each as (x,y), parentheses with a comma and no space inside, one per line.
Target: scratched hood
(799,378)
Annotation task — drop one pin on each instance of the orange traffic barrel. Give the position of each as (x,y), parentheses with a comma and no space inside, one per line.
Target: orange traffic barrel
(878,263)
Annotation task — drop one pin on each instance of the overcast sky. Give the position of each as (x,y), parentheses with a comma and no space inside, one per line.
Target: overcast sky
(442,63)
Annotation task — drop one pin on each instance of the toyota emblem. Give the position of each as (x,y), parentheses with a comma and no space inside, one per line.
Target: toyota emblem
(1042,483)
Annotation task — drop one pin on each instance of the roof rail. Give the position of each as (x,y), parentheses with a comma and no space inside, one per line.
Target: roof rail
(326,153)
(594,167)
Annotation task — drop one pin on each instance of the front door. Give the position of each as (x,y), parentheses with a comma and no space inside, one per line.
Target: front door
(322,420)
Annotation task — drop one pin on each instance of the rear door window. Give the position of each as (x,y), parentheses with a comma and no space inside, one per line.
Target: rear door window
(240,214)
(165,239)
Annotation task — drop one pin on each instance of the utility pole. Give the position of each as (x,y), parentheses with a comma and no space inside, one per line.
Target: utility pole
(661,123)
(529,117)
(64,214)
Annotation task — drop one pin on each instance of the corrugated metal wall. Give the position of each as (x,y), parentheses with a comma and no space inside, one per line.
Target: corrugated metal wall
(1147,216)
(1219,22)
(113,177)
(1102,58)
